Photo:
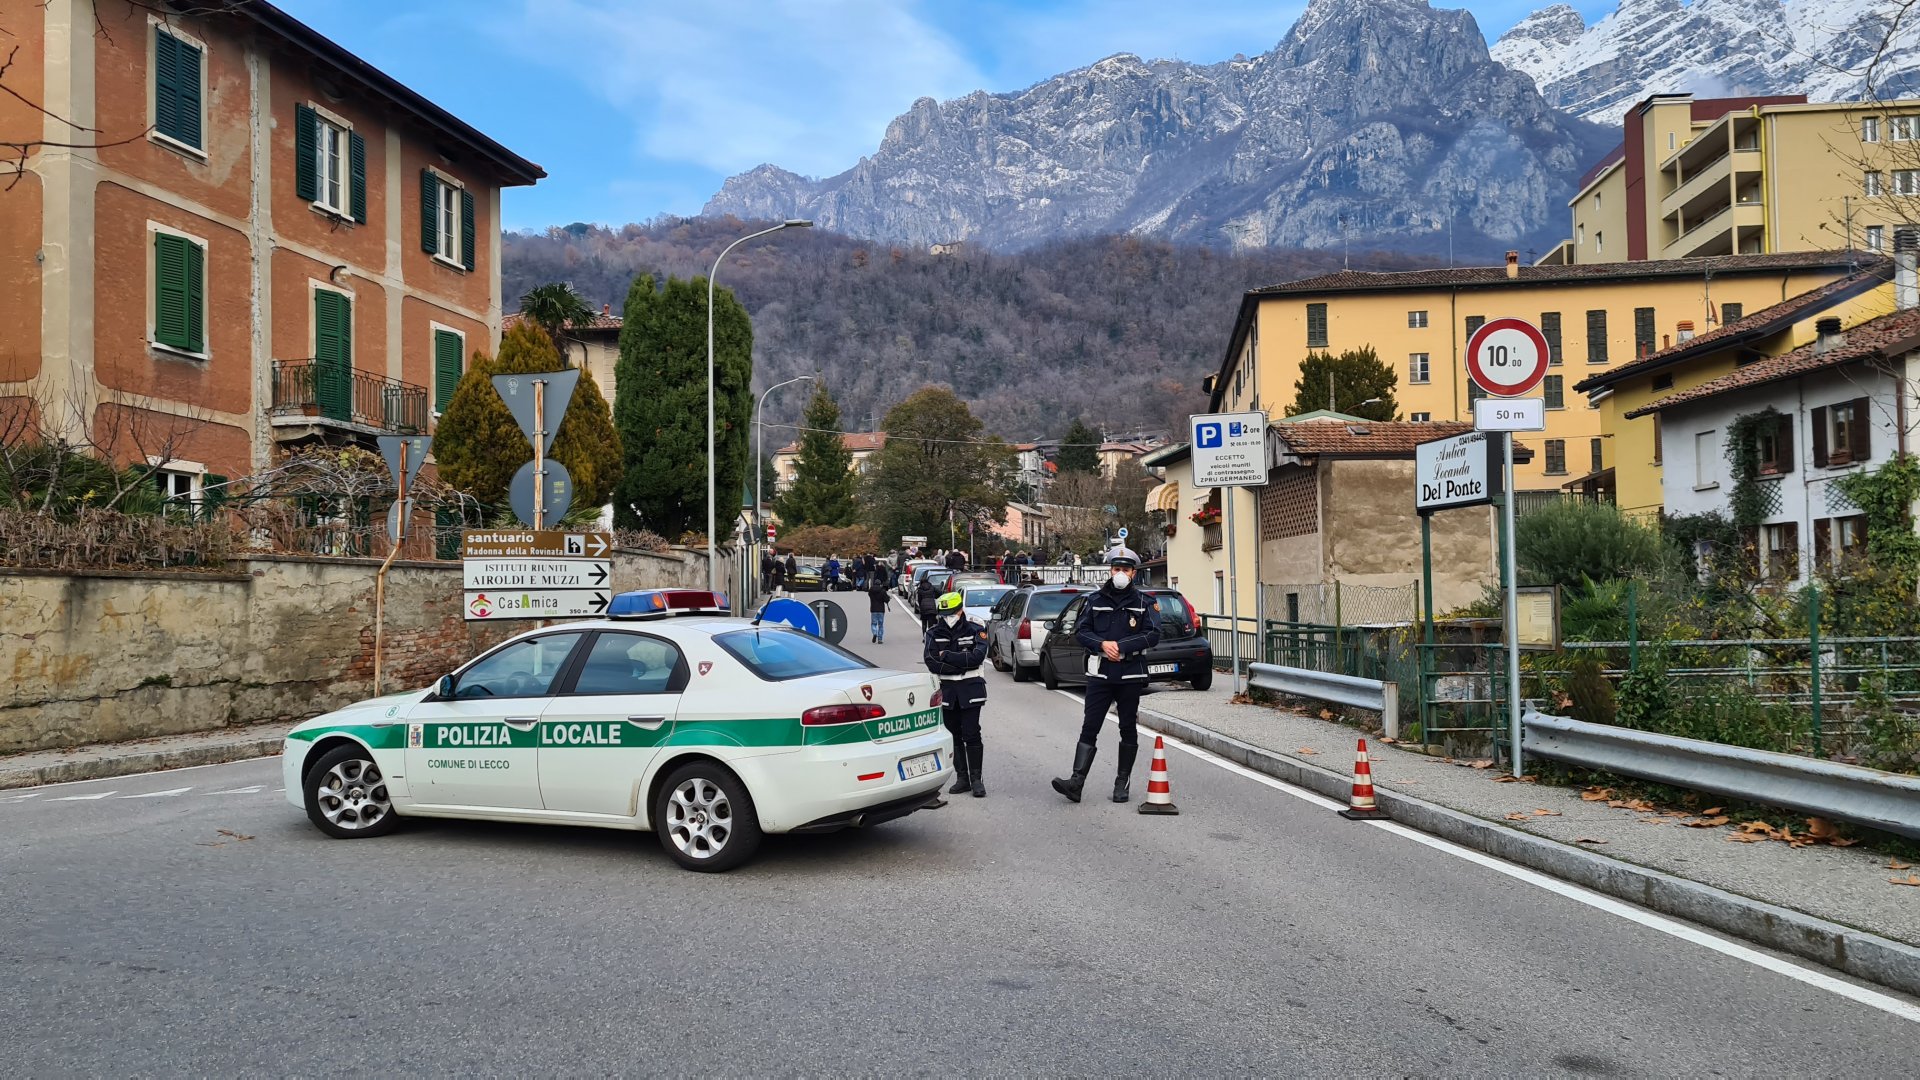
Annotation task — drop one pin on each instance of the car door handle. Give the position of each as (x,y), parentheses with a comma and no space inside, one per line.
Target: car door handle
(651,723)
(523,721)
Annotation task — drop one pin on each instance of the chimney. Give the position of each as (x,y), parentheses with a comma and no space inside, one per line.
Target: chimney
(1906,278)
(1686,330)
(606,309)
(1666,341)
(1513,264)
(1827,334)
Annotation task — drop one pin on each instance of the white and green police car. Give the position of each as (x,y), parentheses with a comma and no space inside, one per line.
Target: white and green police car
(709,730)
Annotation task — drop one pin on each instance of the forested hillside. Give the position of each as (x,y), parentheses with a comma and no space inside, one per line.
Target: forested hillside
(1119,330)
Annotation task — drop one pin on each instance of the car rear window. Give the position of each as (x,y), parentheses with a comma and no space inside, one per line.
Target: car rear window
(985,597)
(1171,607)
(777,654)
(1045,605)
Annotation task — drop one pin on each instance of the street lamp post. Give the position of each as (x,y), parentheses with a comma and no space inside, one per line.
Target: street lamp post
(760,452)
(712,503)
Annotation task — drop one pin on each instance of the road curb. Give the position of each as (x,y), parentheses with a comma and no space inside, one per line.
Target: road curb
(141,762)
(1856,952)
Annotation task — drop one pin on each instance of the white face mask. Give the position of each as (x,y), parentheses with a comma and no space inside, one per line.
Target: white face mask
(952,620)
(1122,579)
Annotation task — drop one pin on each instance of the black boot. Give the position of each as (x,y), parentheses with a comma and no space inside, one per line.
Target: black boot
(973,756)
(960,782)
(1125,775)
(1082,764)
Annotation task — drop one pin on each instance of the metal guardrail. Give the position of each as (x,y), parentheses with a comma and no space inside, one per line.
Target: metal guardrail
(1879,800)
(1349,690)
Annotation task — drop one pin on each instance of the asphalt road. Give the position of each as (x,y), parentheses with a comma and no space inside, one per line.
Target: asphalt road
(193,922)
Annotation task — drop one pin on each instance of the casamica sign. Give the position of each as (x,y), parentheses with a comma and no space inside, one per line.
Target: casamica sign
(1461,471)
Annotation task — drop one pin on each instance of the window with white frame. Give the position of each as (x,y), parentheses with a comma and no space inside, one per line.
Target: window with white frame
(1780,550)
(1706,453)
(1418,367)
(1903,128)
(1599,241)
(1906,181)
(449,217)
(179,491)
(1870,129)
(1876,238)
(330,166)
(1421,417)
(1416,320)
(1872,183)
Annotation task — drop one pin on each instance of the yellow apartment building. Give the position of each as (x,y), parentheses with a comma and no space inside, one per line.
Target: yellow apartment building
(1596,317)
(1752,175)
(1628,397)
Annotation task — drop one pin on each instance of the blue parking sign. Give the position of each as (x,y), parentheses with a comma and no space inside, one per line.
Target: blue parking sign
(1208,435)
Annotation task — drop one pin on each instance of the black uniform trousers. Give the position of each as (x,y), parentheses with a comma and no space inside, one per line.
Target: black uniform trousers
(1123,694)
(960,703)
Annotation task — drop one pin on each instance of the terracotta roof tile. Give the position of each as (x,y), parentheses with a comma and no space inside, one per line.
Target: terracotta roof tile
(1885,336)
(1758,324)
(1368,437)
(1363,280)
(854,441)
(598,322)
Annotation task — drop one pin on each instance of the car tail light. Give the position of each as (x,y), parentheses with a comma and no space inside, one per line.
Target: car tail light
(935,701)
(829,715)
(1026,630)
(1193,614)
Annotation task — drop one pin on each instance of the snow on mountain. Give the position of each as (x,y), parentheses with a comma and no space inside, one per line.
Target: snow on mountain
(1822,48)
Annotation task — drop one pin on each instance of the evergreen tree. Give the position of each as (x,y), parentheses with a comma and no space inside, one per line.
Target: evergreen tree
(1079,449)
(660,406)
(478,447)
(824,483)
(937,462)
(554,307)
(1359,375)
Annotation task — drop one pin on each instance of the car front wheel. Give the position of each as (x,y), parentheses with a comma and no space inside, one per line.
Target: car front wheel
(1202,680)
(346,795)
(705,818)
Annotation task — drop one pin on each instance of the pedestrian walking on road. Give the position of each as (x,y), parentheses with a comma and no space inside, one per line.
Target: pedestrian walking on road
(956,559)
(925,598)
(793,572)
(954,649)
(766,571)
(833,573)
(877,603)
(1117,625)
(779,574)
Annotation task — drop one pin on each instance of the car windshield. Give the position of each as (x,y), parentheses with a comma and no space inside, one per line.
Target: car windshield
(985,597)
(1171,607)
(1045,605)
(777,654)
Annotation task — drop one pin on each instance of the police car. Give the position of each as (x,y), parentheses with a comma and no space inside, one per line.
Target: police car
(666,715)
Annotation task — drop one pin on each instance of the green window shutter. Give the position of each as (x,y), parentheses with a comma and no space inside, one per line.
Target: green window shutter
(466,228)
(170,291)
(306,181)
(357,177)
(186,73)
(446,368)
(166,84)
(430,214)
(333,353)
(196,296)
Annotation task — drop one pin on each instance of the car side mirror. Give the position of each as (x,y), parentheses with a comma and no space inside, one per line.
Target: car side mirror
(1051,625)
(444,688)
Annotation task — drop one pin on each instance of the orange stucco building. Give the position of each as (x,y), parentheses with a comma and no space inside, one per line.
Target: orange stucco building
(233,236)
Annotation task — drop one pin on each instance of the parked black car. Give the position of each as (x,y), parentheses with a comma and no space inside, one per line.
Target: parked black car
(1183,654)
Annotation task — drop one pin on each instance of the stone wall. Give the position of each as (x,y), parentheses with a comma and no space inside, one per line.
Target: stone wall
(101,657)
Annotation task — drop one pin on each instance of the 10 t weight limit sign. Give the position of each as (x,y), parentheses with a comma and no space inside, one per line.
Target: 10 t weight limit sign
(1507,357)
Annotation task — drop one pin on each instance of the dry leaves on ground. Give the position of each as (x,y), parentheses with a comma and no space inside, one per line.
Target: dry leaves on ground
(1896,864)
(1707,823)
(1587,840)
(1241,699)
(1597,794)
(1910,879)
(1519,817)
(1388,739)
(1711,810)
(1537,812)
(1483,763)
(1818,831)
(1306,750)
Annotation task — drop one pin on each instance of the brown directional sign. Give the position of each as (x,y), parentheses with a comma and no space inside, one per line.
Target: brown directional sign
(530,543)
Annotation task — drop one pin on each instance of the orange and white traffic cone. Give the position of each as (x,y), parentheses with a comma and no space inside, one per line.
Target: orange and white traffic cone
(1361,806)
(1159,791)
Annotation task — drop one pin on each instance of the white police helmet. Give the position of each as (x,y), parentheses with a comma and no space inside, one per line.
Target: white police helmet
(1123,556)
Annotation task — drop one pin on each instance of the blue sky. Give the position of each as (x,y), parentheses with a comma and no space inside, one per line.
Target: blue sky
(638,107)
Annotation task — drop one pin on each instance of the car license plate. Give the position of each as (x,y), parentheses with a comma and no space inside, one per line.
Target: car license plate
(1162,669)
(920,765)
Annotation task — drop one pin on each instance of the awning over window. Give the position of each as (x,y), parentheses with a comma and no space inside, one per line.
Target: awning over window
(1164,497)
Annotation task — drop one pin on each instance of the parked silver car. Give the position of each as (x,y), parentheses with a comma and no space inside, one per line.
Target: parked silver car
(1017,628)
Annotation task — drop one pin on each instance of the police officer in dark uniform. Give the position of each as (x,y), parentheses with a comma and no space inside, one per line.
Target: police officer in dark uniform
(955,649)
(1117,625)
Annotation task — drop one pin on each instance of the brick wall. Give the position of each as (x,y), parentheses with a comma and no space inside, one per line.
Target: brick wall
(101,657)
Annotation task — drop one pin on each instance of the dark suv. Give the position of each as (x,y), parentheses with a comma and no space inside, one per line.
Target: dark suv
(1183,654)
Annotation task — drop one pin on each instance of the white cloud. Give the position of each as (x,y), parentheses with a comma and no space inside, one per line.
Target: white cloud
(728,84)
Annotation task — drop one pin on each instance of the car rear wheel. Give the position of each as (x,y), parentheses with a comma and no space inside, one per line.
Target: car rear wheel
(993,654)
(1203,680)
(705,818)
(1049,676)
(1021,673)
(346,795)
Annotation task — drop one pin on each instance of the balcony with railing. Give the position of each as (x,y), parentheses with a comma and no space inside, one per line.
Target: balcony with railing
(313,394)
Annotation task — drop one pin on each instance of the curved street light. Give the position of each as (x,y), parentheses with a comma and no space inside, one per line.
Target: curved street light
(712,505)
(760,451)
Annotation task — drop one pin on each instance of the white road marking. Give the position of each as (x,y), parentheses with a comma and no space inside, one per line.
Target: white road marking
(82,798)
(159,794)
(252,789)
(21,798)
(154,772)
(1860,994)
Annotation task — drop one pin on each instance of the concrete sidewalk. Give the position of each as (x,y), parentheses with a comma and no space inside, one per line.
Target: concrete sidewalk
(142,755)
(1811,901)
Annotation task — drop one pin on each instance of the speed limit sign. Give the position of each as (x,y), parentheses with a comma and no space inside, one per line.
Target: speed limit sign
(1507,357)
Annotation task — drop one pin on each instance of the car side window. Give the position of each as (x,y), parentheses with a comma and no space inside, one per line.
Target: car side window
(1071,615)
(522,669)
(621,663)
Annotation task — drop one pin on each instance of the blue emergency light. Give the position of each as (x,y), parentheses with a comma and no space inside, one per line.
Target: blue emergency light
(659,603)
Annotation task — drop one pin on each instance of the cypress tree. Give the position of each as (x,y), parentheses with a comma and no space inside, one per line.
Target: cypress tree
(1079,449)
(824,483)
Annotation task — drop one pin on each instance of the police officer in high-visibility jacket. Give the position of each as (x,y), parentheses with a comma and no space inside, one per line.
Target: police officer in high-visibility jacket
(1117,624)
(955,648)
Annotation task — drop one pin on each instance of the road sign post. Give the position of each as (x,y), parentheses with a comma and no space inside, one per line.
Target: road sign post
(1229,450)
(404,454)
(536,573)
(1508,358)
